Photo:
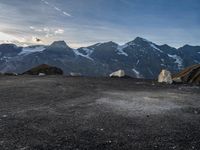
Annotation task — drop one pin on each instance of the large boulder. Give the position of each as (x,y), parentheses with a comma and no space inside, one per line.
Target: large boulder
(44,69)
(118,74)
(165,77)
(73,74)
(189,75)
(41,74)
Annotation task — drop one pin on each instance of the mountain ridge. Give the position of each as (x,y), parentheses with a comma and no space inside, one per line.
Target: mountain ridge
(139,58)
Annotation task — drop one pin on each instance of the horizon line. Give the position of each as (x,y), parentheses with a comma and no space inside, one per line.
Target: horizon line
(21,44)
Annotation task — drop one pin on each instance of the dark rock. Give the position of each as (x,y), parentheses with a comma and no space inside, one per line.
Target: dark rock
(45,69)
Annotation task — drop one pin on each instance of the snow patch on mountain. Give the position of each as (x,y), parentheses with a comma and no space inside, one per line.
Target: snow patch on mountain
(132,43)
(137,73)
(178,60)
(138,61)
(98,44)
(29,50)
(5,58)
(87,51)
(156,48)
(150,71)
(120,50)
(152,45)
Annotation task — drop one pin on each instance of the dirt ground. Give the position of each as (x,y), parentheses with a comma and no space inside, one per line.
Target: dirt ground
(61,113)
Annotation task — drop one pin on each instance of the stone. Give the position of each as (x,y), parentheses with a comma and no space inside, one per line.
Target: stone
(73,74)
(41,74)
(165,77)
(118,74)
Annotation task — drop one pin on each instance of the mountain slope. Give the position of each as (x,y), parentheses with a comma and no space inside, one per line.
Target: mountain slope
(139,58)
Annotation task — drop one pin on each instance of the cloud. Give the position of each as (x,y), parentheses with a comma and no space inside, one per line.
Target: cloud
(66,14)
(6,37)
(22,41)
(44,1)
(31,27)
(56,8)
(59,31)
(48,32)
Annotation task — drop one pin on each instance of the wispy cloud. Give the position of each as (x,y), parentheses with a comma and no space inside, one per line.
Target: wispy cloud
(45,2)
(66,14)
(161,21)
(59,31)
(57,9)
(48,32)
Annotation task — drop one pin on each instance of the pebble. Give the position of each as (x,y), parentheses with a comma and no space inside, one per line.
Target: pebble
(109,141)
(174,147)
(1,142)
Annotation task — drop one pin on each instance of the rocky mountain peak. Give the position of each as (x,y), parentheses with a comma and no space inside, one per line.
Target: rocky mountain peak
(59,44)
(139,40)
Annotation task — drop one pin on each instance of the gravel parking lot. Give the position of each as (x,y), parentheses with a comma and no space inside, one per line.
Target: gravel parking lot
(61,113)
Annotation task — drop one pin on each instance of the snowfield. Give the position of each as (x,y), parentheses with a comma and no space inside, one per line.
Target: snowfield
(178,60)
(156,48)
(87,51)
(120,50)
(29,50)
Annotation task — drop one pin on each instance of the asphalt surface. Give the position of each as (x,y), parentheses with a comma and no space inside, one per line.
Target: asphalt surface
(61,113)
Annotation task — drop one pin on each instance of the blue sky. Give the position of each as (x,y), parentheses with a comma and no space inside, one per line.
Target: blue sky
(85,22)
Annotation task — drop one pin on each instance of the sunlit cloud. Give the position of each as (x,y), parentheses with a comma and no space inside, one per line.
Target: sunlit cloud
(59,31)
(95,21)
(21,41)
(8,38)
(48,32)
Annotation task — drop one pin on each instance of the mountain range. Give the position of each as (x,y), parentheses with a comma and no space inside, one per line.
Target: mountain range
(139,58)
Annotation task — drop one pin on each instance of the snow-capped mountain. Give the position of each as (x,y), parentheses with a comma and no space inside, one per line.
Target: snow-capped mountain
(139,58)
(32,49)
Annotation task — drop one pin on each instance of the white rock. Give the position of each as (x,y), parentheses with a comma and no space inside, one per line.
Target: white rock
(165,77)
(73,74)
(41,74)
(119,74)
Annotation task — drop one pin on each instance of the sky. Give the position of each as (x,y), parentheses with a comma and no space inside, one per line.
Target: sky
(86,22)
